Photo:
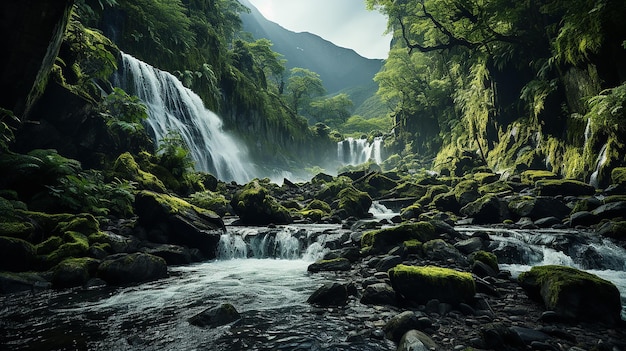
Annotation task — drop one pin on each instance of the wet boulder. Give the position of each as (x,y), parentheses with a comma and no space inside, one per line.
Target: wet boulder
(215,316)
(487,209)
(415,340)
(16,255)
(74,272)
(573,294)
(423,283)
(439,250)
(376,185)
(124,269)
(554,187)
(537,207)
(330,294)
(254,205)
(466,191)
(611,210)
(613,229)
(170,220)
(531,176)
(383,239)
(379,294)
(332,265)
(353,202)
(401,323)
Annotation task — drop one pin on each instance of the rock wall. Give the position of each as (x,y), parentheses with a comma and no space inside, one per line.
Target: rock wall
(31,35)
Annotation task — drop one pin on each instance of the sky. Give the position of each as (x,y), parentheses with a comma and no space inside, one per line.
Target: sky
(345,23)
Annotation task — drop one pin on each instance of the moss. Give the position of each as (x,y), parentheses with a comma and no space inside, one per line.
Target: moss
(431,192)
(210,201)
(413,247)
(614,198)
(496,187)
(47,222)
(466,191)
(291,204)
(487,258)
(424,283)
(531,176)
(412,211)
(382,239)
(377,185)
(21,230)
(554,187)
(618,175)
(48,246)
(254,205)
(318,205)
(126,167)
(354,202)
(83,223)
(75,245)
(409,189)
(484,178)
(314,215)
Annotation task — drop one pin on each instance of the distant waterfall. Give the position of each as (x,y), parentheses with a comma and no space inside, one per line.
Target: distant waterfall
(173,107)
(356,151)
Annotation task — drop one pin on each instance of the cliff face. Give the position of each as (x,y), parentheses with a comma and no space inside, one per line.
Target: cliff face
(32,31)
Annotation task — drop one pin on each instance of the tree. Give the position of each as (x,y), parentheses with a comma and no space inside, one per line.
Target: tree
(332,111)
(302,86)
(268,61)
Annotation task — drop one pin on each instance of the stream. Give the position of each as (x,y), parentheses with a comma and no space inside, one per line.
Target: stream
(265,277)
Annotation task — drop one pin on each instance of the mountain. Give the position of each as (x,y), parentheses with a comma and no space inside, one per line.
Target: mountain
(339,68)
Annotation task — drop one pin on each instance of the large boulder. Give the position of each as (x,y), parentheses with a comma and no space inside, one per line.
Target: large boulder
(330,294)
(16,255)
(554,187)
(215,316)
(537,207)
(487,209)
(401,323)
(611,210)
(332,265)
(415,340)
(379,294)
(353,202)
(424,283)
(254,205)
(170,220)
(127,168)
(383,239)
(573,294)
(124,269)
(74,272)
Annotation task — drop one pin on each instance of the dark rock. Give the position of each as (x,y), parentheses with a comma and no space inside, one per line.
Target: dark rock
(554,187)
(487,209)
(353,202)
(215,316)
(379,294)
(439,250)
(421,284)
(16,282)
(254,205)
(612,229)
(537,207)
(74,272)
(470,245)
(528,335)
(388,262)
(547,222)
(132,268)
(384,239)
(573,294)
(16,255)
(584,218)
(170,220)
(611,210)
(415,340)
(482,270)
(399,324)
(330,294)
(172,254)
(337,264)
(498,337)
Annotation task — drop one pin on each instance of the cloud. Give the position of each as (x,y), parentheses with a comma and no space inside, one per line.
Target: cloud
(346,23)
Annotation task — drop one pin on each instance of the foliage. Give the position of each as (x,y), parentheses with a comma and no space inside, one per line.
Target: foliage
(608,110)
(302,86)
(124,115)
(357,125)
(174,155)
(6,131)
(88,192)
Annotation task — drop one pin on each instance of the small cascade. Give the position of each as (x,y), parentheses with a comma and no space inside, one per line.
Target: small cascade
(587,132)
(602,158)
(357,151)
(173,107)
(380,211)
(288,243)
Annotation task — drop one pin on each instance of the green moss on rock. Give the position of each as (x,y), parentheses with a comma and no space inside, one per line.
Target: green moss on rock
(554,187)
(126,167)
(353,202)
(16,255)
(573,294)
(424,283)
(22,230)
(413,247)
(318,205)
(618,176)
(487,258)
(383,239)
(49,245)
(254,205)
(531,176)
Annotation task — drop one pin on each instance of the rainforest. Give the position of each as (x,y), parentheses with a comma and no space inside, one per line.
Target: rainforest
(170,181)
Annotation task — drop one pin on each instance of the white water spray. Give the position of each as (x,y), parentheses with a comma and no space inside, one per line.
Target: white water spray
(602,158)
(173,107)
(357,151)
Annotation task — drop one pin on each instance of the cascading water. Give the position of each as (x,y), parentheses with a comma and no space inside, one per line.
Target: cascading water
(602,158)
(173,107)
(357,151)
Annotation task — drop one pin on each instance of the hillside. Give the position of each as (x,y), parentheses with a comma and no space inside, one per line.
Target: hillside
(339,68)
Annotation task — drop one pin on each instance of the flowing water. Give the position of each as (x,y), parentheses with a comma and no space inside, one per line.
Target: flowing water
(262,272)
(357,151)
(602,158)
(173,107)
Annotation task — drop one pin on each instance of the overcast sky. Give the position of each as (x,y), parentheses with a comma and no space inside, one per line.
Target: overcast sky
(345,23)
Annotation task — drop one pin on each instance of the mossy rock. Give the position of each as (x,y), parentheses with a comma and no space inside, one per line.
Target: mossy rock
(409,189)
(496,187)
(538,207)
(424,283)
(485,257)
(377,185)
(133,268)
(322,178)
(254,205)
(413,247)
(84,223)
(573,294)
(318,205)
(313,215)
(554,187)
(126,167)
(330,190)
(383,239)
(446,202)
(484,178)
(49,245)
(613,229)
(466,191)
(529,177)
(22,230)
(353,202)
(618,176)
(75,245)
(74,272)
(211,201)
(411,212)
(16,255)
(487,209)
(431,192)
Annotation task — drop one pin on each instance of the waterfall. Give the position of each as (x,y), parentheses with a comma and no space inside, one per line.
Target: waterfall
(173,107)
(289,243)
(357,151)
(602,158)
